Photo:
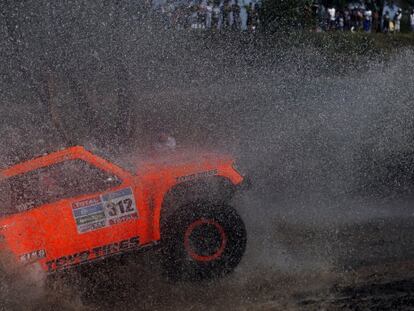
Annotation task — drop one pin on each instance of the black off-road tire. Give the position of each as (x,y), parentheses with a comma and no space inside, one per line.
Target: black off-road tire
(202,241)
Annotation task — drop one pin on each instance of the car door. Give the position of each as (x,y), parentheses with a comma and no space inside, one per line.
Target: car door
(89,213)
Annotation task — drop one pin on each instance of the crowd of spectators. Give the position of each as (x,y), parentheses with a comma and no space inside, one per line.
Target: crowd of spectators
(239,15)
(361,16)
(244,15)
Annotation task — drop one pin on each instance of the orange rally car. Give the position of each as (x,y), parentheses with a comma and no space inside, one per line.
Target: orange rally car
(72,207)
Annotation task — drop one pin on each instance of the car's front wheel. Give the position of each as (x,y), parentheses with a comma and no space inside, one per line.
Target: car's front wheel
(202,241)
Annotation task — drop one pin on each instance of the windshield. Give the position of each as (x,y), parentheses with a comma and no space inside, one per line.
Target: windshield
(52,183)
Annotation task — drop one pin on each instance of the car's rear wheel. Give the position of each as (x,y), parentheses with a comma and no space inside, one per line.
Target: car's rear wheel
(202,240)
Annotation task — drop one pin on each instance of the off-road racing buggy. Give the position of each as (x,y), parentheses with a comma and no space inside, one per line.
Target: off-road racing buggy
(73,207)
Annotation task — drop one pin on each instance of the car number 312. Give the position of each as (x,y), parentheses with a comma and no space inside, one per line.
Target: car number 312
(121,207)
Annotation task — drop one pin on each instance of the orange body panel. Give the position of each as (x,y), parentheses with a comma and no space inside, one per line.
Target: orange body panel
(55,236)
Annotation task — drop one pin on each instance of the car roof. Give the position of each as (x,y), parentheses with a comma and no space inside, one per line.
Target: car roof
(43,160)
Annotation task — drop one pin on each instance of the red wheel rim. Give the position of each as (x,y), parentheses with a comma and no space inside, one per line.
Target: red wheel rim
(190,248)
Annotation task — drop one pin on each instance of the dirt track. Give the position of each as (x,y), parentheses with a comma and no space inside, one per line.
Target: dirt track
(289,265)
(138,290)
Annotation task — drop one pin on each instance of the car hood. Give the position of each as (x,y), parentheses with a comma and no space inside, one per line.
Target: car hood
(177,158)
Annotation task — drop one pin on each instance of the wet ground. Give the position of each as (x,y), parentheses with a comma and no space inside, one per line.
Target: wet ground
(303,260)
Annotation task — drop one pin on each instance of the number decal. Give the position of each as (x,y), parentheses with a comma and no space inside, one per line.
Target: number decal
(111,208)
(129,206)
(120,206)
(106,210)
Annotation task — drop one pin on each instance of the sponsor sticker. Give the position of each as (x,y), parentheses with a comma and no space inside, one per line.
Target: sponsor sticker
(33,256)
(89,214)
(102,251)
(197,175)
(119,206)
(106,210)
